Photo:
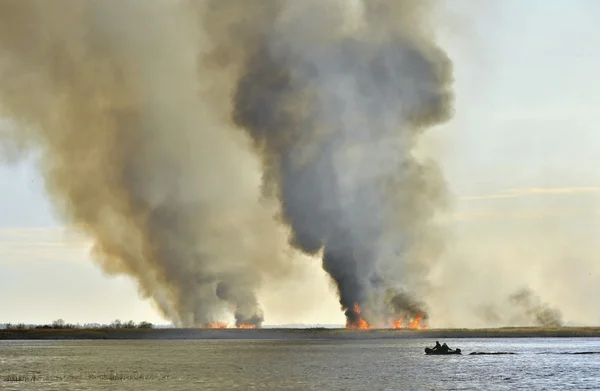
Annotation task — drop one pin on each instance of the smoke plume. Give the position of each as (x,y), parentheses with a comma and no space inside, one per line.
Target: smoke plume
(521,308)
(135,154)
(336,116)
(133,107)
(533,310)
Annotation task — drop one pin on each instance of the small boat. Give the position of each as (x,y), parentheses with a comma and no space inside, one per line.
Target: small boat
(430,351)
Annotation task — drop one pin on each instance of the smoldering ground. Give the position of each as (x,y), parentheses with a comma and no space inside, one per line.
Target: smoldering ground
(521,308)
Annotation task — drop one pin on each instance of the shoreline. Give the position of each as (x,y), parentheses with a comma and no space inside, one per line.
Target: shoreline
(295,334)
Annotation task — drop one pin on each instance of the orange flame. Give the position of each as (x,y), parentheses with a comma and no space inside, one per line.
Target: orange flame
(414,324)
(360,323)
(223,325)
(399,323)
(216,325)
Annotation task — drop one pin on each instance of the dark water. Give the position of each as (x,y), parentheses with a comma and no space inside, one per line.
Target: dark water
(540,364)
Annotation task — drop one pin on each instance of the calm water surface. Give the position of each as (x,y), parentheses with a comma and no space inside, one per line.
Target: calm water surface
(540,364)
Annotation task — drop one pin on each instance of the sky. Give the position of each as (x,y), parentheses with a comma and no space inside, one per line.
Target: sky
(519,156)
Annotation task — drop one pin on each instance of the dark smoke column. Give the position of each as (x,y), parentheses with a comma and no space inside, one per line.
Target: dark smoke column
(336,115)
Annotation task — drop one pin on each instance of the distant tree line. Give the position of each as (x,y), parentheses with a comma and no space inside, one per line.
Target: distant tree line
(61,324)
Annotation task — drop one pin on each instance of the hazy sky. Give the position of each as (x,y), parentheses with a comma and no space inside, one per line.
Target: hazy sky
(520,157)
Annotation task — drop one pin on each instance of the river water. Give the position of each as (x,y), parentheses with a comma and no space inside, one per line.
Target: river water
(539,364)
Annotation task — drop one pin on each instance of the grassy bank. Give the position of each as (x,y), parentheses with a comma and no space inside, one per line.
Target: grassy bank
(111,333)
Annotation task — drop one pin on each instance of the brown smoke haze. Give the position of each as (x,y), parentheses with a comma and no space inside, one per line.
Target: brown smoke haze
(137,152)
(492,259)
(212,149)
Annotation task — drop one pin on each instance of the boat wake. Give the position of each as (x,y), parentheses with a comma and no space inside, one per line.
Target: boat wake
(570,353)
(489,353)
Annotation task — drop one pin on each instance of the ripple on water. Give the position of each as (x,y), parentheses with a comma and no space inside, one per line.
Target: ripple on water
(551,364)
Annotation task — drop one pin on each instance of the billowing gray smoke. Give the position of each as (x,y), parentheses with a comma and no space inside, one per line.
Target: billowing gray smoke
(133,120)
(336,114)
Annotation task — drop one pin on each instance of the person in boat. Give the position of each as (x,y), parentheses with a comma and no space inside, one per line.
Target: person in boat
(437,346)
(445,348)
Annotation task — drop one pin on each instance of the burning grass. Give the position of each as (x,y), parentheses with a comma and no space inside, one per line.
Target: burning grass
(360,323)
(223,325)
